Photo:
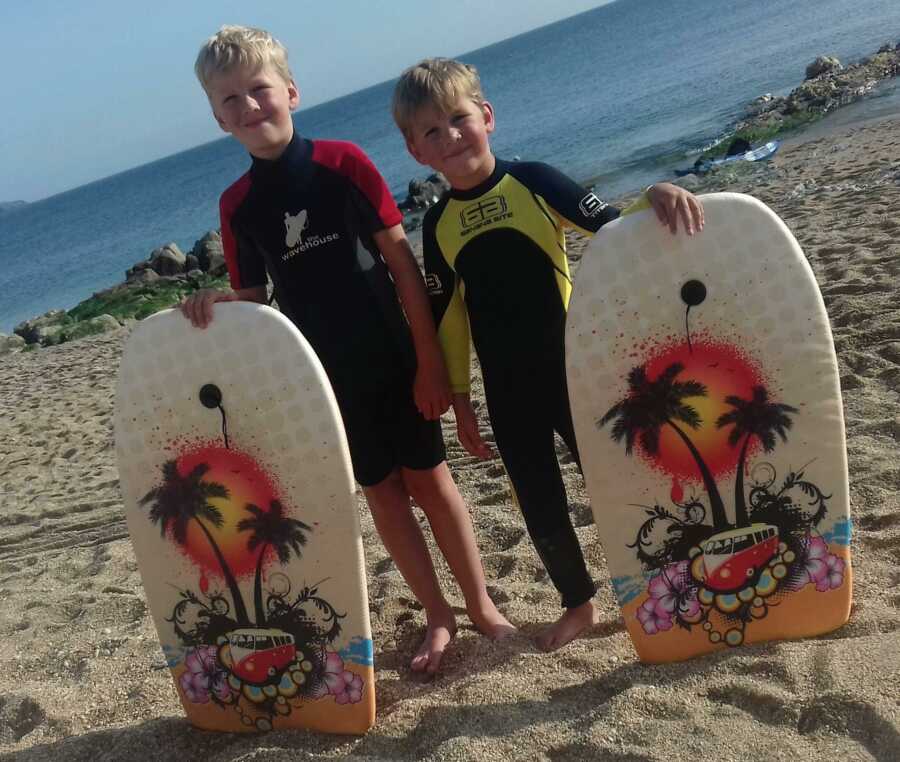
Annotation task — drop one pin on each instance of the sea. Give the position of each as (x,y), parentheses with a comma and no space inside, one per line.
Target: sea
(616,97)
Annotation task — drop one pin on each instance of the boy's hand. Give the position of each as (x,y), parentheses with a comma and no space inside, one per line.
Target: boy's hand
(198,307)
(467,428)
(431,388)
(672,203)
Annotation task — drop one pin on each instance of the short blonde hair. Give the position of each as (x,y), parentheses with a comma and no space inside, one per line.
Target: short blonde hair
(439,82)
(235,46)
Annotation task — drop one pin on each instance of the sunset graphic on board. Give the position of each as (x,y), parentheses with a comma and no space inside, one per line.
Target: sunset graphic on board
(701,413)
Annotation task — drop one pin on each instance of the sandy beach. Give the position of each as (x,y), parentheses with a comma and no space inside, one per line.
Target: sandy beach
(82,676)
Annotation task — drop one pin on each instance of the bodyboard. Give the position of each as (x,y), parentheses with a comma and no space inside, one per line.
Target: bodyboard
(240,504)
(707,408)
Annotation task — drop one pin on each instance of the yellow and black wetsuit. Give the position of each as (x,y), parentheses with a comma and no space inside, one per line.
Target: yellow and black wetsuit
(496,270)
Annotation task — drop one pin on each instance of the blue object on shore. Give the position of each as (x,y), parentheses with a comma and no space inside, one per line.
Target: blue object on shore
(760,153)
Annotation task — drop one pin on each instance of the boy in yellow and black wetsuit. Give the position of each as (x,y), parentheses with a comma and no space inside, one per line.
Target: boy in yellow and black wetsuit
(496,271)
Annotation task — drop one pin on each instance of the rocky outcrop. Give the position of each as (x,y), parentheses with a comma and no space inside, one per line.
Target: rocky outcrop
(828,85)
(206,255)
(159,281)
(44,329)
(55,327)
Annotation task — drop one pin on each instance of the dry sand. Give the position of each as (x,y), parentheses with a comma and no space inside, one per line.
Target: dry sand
(82,676)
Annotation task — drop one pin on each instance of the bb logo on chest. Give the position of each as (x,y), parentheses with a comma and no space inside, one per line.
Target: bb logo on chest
(485,211)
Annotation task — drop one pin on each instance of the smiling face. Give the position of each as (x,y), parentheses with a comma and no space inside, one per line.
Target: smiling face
(255,106)
(454,142)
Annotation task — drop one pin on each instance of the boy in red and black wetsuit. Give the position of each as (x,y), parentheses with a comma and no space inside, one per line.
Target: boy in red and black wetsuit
(317,217)
(496,270)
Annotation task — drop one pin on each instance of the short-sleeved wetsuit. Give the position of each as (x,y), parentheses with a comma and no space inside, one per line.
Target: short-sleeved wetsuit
(308,219)
(496,269)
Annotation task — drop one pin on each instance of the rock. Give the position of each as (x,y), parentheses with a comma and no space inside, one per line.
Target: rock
(191,263)
(109,292)
(815,93)
(144,276)
(168,260)
(216,264)
(138,267)
(50,335)
(823,65)
(105,322)
(423,193)
(208,251)
(764,104)
(32,330)
(11,344)
(90,327)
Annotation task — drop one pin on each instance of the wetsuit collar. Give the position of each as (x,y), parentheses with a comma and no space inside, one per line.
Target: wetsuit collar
(297,153)
(483,187)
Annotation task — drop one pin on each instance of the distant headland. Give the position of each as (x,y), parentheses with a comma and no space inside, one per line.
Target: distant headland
(10,206)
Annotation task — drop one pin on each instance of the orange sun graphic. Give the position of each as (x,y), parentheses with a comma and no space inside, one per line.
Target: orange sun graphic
(725,371)
(247,484)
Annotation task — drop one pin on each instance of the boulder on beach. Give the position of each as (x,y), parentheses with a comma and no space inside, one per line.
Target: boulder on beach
(11,344)
(209,254)
(168,260)
(90,327)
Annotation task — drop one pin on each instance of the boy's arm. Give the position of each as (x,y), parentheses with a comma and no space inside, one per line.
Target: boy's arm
(431,390)
(578,208)
(447,307)
(572,205)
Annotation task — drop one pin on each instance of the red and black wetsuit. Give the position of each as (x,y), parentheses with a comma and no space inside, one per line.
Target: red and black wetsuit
(308,219)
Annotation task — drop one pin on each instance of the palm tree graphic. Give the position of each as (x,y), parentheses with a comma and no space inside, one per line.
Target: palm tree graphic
(181,499)
(756,417)
(652,404)
(271,529)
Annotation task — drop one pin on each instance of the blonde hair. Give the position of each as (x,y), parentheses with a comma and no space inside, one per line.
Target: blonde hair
(440,82)
(235,46)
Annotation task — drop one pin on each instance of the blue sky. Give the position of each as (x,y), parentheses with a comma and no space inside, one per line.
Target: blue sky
(95,87)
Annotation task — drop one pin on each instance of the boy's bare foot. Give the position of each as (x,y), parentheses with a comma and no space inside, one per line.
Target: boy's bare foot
(568,627)
(489,621)
(440,631)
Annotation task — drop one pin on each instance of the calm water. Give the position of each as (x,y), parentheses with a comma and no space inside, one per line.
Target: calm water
(620,95)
